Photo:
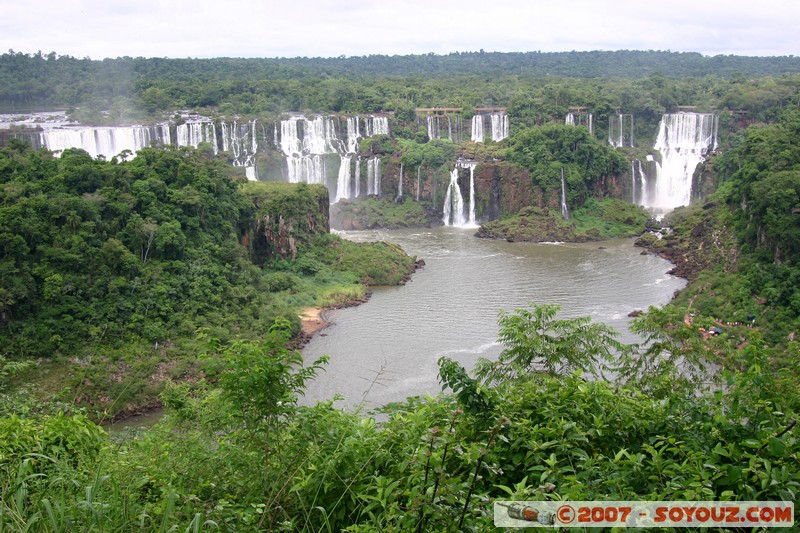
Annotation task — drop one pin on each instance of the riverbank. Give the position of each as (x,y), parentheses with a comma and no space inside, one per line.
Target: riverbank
(312,321)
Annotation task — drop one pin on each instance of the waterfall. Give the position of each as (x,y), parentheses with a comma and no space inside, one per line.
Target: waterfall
(499,126)
(309,169)
(308,142)
(471,220)
(320,136)
(453,208)
(358,178)
(194,133)
(477,129)
(683,140)
(374,176)
(376,126)
(631,130)
(633,181)
(343,183)
(419,169)
(433,127)
(304,142)
(106,142)
(453,202)
(642,181)
(400,184)
(582,119)
(242,143)
(620,130)
(352,135)
(564,210)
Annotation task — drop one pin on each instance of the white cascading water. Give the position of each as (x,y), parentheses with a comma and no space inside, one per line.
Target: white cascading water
(564,210)
(620,130)
(400,183)
(477,129)
(639,182)
(453,202)
(343,182)
(579,120)
(684,139)
(242,143)
(106,142)
(306,143)
(453,209)
(357,192)
(433,127)
(193,133)
(419,172)
(471,220)
(376,126)
(499,126)
(352,135)
(373,176)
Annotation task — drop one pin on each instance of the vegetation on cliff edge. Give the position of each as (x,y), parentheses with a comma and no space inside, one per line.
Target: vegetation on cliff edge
(109,268)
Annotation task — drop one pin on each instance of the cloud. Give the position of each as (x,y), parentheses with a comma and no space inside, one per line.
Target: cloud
(250,28)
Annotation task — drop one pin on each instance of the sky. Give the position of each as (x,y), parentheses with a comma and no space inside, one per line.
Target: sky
(330,28)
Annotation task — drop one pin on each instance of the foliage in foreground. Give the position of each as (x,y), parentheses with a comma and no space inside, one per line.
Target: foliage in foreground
(237,453)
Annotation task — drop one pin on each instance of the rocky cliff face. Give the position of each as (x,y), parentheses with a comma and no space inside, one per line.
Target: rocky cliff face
(286,217)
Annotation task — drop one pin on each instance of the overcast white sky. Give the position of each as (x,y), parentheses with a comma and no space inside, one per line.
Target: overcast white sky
(326,28)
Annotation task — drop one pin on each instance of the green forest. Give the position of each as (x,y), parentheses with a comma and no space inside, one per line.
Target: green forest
(167,279)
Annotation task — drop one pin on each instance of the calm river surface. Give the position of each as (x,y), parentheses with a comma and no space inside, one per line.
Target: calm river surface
(386,349)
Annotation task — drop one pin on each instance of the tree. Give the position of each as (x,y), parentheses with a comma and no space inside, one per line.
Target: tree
(536,341)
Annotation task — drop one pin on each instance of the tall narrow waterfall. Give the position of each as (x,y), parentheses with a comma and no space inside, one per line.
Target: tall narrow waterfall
(564,210)
(352,135)
(683,141)
(477,129)
(453,202)
(358,177)
(400,184)
(471,220)
(419,171)
(343,183)
(374,176)
(453,209)
(639,187)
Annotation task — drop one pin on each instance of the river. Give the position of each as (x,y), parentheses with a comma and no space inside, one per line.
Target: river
(385,350)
